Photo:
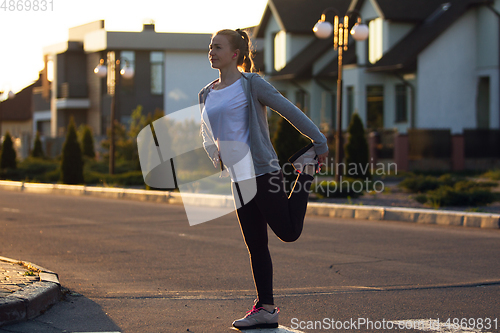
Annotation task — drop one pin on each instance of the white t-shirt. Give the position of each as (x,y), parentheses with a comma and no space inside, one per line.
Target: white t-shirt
(226,115)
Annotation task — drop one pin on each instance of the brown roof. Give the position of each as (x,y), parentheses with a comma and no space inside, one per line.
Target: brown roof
(18,108)
(403,10)
(298,16)
(403,55)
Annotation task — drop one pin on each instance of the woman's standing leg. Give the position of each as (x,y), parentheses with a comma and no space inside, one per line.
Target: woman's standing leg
(254,230)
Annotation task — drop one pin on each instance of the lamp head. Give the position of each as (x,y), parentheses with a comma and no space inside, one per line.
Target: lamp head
(127,72)
(323,29)
(101,70)
(360,32)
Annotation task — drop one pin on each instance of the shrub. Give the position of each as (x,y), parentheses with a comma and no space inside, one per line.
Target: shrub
(421,198)
(87,143)
(8,155)
(72,160)
(37,149)
(131,178)
(422,183)
(463,193)
(38,169)
(356,150)
(492,174)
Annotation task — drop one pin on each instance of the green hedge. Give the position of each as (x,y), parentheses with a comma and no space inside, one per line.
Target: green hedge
(463,193)
(421,183)
(38,170)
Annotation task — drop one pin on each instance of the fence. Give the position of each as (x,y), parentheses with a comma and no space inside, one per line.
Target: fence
(437,149)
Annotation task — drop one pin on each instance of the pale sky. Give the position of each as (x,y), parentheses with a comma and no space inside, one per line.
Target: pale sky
(23,34)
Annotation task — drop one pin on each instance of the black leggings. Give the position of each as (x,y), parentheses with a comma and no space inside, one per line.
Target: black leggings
(285,215)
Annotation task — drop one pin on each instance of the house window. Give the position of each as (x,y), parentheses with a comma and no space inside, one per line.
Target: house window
(375,49)
(483,103)
(401,103)
(280,50)
(156,60)
(127,58)
(350,103)
(375,107)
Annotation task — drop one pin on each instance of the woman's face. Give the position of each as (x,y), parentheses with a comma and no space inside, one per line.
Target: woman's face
(221,55)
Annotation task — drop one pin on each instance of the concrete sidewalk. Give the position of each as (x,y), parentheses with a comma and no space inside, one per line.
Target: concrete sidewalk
(26,290)
(412,215)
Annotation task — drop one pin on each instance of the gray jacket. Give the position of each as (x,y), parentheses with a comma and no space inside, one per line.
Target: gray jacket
(259,95)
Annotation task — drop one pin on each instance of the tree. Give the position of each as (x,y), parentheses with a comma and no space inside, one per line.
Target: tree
(87,142)
(356,150)
(37,149)
(126,141)
(72,160)
(8,156)
(287,141)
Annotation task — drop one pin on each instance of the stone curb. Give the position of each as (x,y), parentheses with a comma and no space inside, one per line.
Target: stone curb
(413,215)
(32,300)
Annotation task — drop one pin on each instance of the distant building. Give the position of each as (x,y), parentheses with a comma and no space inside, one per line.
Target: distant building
(16,118)
(429,70)
(170,68)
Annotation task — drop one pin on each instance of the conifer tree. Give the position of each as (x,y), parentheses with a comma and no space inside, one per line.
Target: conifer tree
(88,143)
(356,150)
(72,160)
(8,156)
(37,149)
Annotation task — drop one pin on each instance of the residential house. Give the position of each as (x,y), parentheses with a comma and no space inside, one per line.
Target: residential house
(169,70)
(428,74)
(16,118)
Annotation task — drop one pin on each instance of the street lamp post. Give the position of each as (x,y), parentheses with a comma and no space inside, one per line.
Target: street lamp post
(359,32)
(113,84)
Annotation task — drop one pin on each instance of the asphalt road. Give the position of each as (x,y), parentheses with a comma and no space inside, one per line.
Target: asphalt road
(139,267)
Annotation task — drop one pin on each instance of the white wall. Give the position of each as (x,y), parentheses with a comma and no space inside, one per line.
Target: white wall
(186,73)
(355,76)
(447,79)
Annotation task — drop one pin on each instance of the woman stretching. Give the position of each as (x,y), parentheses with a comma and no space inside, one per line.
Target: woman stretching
(234,110)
